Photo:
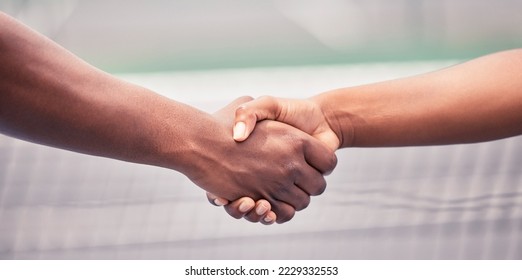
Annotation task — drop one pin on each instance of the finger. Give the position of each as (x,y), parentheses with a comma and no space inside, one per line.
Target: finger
(238,208)
(259,212)
(248,114)
(319,156)
(216,201)
(310,181)
(269,219)
(294,196)
(284,211)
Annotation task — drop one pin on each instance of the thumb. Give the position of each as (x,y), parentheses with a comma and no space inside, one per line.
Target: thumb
(248,114)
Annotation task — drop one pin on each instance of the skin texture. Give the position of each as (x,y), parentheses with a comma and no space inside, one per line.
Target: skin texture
(51,97)
(476,101)
(480,100)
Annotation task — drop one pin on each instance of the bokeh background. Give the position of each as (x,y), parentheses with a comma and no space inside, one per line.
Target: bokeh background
(449,202)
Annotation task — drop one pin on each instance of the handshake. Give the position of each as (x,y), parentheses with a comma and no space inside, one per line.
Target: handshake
(280,163)
(262,159)
(285,147)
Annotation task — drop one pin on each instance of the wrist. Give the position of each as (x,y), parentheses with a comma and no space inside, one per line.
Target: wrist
(178,137)
(340,124)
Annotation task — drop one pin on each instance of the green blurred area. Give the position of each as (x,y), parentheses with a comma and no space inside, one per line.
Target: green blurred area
(275,58)
(160,35)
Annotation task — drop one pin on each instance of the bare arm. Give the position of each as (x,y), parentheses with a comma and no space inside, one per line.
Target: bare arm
(476,101)
(479,100)
(49,96)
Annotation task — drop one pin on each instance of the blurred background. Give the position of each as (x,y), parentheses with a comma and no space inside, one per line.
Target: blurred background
(159,35)
(452,202)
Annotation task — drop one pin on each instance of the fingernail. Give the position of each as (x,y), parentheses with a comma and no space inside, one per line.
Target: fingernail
(261,209)
(220,202)
(244,207)
(268,219)
(239,130)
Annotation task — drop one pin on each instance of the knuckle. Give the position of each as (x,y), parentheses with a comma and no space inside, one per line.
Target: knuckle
(333,162)
(245,98)
(320,188)
(291,171)
(285,217)
(267,98)
(283,212)
(303,203)
(242,112)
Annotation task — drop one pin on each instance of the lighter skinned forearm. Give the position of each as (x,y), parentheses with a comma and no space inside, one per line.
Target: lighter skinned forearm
(476,101)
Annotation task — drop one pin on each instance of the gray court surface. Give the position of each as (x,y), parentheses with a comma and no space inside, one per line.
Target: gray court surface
(447,202)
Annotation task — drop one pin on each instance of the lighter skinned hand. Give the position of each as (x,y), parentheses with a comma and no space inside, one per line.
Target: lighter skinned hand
(305,114)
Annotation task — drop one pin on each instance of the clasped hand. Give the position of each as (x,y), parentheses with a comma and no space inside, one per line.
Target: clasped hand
(288,157)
